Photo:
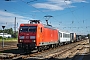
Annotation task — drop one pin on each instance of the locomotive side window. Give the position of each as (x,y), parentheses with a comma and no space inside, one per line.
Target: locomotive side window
(41,29)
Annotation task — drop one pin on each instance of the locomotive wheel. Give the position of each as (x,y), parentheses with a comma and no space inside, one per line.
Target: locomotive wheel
(39,49)
(72,41)
(52,46)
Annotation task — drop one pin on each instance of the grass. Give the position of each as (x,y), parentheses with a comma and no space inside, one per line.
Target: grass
(9,39)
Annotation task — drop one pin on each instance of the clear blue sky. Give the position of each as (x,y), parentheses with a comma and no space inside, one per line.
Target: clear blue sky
(69,15)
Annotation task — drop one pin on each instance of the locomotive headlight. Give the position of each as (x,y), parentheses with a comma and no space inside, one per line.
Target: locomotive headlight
(32,37)
(21,40)
(33,41)
(21,37)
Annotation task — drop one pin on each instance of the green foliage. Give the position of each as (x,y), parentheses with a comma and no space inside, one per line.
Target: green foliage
(9,39)
(9,31)
(88,36)
(0,37)
(15,35)
(1,31)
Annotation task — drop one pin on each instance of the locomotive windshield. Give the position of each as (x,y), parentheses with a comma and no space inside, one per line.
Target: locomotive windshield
(28,29)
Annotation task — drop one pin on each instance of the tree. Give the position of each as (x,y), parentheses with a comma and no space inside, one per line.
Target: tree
(88,36)
(14,35)
(1,31)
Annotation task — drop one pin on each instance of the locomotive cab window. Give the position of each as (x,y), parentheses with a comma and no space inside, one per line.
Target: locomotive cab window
(32,28)
(23,29)
(28,29)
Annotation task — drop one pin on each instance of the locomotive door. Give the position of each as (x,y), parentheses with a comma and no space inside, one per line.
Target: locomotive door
(41,36)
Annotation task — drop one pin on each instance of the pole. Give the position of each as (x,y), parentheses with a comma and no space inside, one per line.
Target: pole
(3,40)
(15,28)
(3,37)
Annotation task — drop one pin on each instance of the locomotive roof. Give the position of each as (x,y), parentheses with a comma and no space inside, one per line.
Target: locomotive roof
(49,26)
(38,22)
(35,21)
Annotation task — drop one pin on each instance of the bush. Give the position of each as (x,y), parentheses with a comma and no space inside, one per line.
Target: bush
(0,37)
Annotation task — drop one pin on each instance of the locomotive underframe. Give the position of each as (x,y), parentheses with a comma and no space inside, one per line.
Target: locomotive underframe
(26,46)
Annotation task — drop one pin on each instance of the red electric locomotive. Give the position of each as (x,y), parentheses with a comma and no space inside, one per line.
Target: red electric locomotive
(37,36)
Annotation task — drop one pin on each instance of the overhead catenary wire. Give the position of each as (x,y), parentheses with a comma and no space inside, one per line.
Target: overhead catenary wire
(75,17)
(20,10)
(33,7)
(36,0)
(70,11)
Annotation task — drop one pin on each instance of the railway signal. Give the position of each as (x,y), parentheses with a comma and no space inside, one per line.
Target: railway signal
(3,37)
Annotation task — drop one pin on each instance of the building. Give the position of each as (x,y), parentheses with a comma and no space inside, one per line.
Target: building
(5,35)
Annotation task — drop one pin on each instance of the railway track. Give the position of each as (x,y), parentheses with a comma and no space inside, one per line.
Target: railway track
(58,52)
(8,45)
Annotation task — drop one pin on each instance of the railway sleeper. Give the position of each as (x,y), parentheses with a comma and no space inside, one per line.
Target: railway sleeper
(8,55)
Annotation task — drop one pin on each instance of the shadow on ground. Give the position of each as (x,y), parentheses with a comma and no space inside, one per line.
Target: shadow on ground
(14,51)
